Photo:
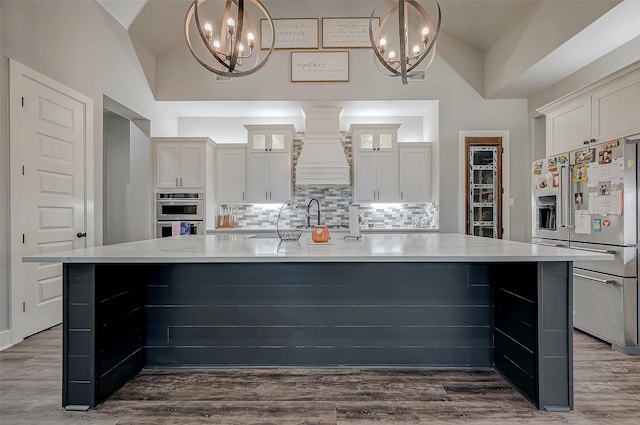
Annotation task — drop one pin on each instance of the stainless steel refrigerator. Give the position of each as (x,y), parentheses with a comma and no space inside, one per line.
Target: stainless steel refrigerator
(587,199)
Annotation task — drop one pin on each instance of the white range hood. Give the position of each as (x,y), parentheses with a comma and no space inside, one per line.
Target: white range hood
(322,160)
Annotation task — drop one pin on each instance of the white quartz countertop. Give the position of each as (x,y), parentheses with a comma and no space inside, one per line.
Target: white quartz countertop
(230,248)
(342,231)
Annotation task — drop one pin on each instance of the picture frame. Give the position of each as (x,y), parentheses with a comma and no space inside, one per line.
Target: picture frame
(320,66)
(295,33)
(352,33)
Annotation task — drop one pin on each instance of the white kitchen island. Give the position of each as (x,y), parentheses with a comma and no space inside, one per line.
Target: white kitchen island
(388,300)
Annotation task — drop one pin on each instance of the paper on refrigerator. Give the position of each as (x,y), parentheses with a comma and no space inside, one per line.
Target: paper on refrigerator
(582,222)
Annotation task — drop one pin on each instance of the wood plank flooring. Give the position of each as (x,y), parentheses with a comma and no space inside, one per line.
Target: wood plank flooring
(607,391)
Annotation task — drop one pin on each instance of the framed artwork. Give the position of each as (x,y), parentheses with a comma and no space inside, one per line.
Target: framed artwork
(347,32)
(321,66)
(299,33)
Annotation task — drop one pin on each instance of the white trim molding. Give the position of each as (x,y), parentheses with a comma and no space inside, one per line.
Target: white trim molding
(5,339)
(506,177)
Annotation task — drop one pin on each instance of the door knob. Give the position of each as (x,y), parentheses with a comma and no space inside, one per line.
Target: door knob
(81,234)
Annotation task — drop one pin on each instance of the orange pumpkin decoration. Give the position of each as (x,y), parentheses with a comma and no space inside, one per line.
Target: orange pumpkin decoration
(320,234)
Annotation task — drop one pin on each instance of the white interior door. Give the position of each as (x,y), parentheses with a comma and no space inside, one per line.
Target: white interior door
(48,193)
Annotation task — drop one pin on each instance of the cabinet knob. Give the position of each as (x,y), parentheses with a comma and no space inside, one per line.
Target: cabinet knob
(592,141)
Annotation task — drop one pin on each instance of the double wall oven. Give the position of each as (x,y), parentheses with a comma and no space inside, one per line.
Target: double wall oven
(179,214)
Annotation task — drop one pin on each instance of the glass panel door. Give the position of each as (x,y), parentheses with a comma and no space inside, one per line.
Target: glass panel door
(483,190)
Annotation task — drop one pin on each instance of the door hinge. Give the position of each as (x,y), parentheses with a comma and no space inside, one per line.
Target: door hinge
(22,101)
(24,307)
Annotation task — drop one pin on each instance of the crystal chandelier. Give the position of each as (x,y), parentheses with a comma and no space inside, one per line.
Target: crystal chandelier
(234,52)
(407,61)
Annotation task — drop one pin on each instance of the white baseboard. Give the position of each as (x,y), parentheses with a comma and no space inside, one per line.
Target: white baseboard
(5,339)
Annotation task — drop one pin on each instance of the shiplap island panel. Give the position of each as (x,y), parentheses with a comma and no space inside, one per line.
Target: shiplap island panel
(388,300)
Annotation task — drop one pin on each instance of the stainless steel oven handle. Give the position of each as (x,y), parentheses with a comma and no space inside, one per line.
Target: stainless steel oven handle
(595,279)
(599,251)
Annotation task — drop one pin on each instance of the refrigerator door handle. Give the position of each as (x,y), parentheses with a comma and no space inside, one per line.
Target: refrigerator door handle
(562,206)
(595,279)
(600,251)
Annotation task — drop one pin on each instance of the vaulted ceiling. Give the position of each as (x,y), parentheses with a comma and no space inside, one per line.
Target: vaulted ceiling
(523,46)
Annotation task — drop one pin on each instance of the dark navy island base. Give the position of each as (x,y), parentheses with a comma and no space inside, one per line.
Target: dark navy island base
(513,317)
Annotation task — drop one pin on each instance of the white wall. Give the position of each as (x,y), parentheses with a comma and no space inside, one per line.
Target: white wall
(128,193)
(80,45)
(140,199)
(4,191)
(117,165)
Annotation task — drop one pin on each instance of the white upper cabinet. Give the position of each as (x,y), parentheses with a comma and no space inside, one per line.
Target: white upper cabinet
(608,110)
(374,137)
(270,138)
(415,172)
(375,162)
(180,163)
(269,163)
(569,126)
(231,173)
(616,109)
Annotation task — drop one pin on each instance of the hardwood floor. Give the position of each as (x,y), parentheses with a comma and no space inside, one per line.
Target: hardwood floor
(607,391)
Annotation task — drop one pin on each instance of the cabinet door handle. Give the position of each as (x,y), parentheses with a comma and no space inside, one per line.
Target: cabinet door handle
(269,195)
(176,182)
(401,195)
(595,279)
(243,196)
(180,181)
(378,195)
(374,195)
(266,195)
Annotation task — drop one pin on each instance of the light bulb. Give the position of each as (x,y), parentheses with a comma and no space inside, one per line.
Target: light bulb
(392,55)
(216,44)
(230,25)
(416,49)
(208,30)
(425,34)
(250,39)
(383,42)
(240,47)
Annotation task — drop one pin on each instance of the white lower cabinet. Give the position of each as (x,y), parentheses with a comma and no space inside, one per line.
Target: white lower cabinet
(415,172)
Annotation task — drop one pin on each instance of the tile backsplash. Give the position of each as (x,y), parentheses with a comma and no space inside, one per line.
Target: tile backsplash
(334,206)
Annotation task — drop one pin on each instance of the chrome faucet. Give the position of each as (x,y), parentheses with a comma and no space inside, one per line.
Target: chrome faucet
(309,216)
